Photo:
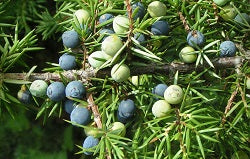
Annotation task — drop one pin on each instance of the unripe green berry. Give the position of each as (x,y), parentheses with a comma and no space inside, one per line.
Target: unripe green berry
(121,24)
(186,55)
(174,94)
(248,83)
(120,73)
(228,13)
(38,88)
(161,108)
(93,131)
(135,80)
(111,45)
(97,59)
(82,15)
(220,2)
(118,128)
(157,9)
(241,155)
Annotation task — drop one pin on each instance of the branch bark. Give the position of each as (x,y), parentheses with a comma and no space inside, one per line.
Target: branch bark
(95,110)
(87,74)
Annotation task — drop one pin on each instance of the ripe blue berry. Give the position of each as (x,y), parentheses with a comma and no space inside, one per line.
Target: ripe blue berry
(121,118)
(140,10)
(160,89)
(126,108)
(24,96)
(106,33)
(241,18)
(67,62)
(105,17)
(56,91)
(195,37)
(139,37)
(80,115)
(75,89)
(38,88)
(227,49)
(69,106)
(70,39)
(160,28)
(89,142)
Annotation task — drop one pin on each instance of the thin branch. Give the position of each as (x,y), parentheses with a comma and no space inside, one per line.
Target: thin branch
(129,10)
(84,56)
(242,96)
(88,73)
(95,110)
(229,105)
(178,123)
(215,11)
(183,19)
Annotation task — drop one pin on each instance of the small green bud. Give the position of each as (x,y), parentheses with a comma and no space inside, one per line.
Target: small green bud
(174,94)
(120,73)
(38,88)
(161,108)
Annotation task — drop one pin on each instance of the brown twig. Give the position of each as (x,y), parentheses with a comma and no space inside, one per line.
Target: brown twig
(178,123)
(242,97)
(95,110)
(245,52)
(229,105)
(85,75)
(129,10)
(84,56)
(183,19)
(215,11)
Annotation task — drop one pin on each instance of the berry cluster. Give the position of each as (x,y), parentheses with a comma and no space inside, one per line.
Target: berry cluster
(172,95)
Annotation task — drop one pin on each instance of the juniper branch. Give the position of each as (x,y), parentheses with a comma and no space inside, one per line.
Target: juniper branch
(87,74)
